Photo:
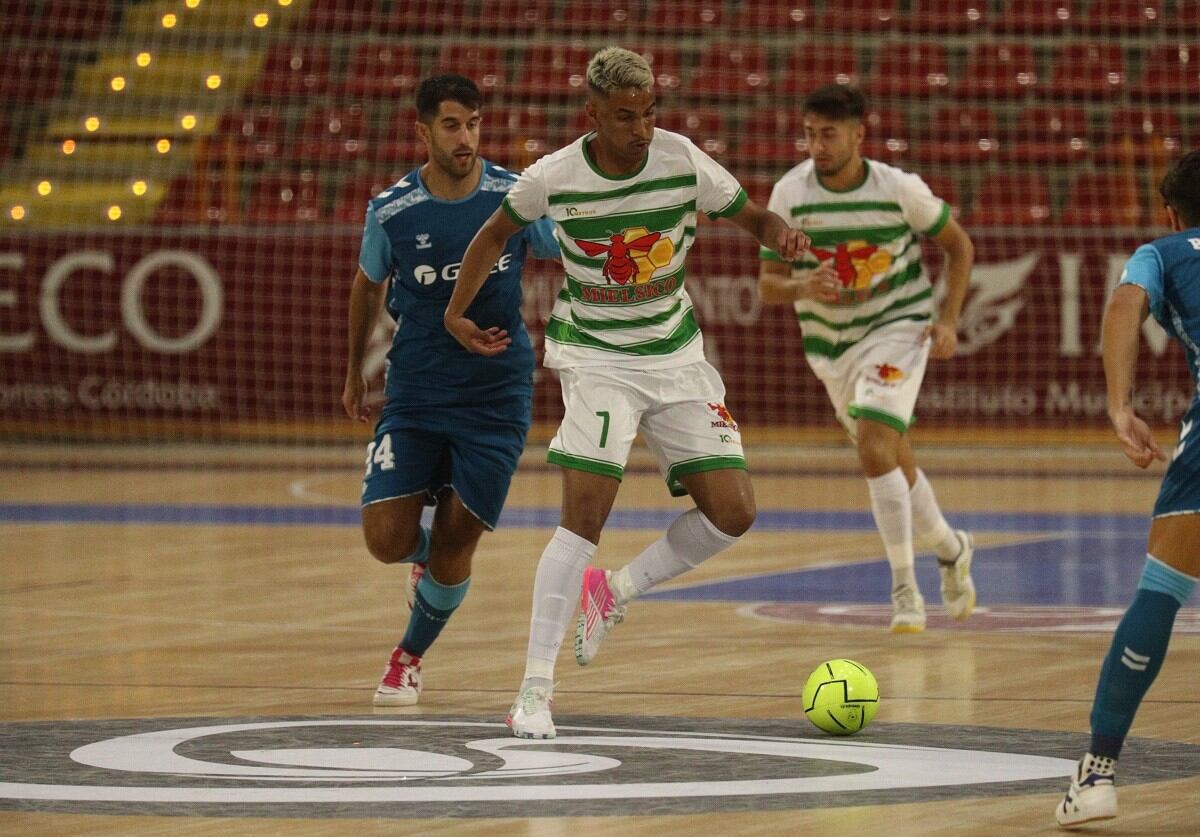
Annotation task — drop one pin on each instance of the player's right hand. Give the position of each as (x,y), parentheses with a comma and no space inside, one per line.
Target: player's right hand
(822,284)
(1137,441)
(487,342)
(353,397)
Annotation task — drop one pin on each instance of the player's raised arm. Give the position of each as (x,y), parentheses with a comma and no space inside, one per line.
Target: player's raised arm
(960,258)
(482,253)
(366,300)
(1121,335)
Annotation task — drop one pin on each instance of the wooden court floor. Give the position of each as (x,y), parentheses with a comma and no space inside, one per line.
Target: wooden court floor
(231,583)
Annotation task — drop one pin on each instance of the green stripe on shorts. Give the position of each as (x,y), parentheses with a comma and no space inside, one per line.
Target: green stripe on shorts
(583,463)
(894,422)
(699,465)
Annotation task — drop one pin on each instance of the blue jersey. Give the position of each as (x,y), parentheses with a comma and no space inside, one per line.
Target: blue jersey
(1168,270)
(418,241)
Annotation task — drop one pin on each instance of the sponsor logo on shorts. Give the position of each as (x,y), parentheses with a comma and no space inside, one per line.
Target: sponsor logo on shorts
(725,418)
(888,374)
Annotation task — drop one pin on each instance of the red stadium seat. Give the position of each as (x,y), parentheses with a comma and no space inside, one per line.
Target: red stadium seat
(398,146)
(63,20)
(30,75)
(292,69)
(758,186)
(946,17)
(350,204)
(553,70)
(515,137)
(512,17)
(904,68)
(206,198)
(331,135)
(1187,17)
(1103,200)
(771,136)
(731,70)
(779,17)
(426,16)
(886,136)
(285,198)
(17,18)
(809,67)
(703,126)
(1122,17)
(578,125)
(1139,135)
(1086,71)
(1048,134)
(589,17)
(998,71)
(861,16)
(1035,17)
(1171,71)
(482,63)
(342,16)
(382,70)
(666,63)
(252,135)
(960,135)
(1011,199)
(672,17)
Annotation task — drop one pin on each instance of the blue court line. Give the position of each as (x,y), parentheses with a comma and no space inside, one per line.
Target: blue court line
(540,517)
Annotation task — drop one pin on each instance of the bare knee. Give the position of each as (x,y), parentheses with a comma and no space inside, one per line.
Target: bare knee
(734,519)
(877,452)
(388,541)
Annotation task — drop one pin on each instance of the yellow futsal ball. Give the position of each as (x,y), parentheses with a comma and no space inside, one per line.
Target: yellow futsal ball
(841,697)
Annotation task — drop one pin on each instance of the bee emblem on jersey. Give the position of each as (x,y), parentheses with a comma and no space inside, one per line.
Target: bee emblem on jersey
(633,255)
(888,373)
(856,262)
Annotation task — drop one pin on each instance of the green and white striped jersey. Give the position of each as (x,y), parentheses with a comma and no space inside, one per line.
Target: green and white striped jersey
(869,234)
(624,240)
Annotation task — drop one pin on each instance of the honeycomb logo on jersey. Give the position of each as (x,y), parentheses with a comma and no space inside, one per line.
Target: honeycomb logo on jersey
(857,263)
(632,255)
(427,274)
(888,374)
(724,417)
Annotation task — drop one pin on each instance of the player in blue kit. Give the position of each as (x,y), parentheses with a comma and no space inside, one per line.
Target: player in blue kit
(454,423)
(1162,279)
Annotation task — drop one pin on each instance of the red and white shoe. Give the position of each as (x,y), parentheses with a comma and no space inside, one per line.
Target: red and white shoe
(599,613)
(401,682)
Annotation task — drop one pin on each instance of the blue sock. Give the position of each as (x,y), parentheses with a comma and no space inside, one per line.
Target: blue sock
(431,611)
(1136,654)
(420,555)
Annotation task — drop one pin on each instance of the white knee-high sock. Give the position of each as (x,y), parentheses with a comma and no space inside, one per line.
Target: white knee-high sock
(555,589)
(892,508)
(930,528)
(689,541)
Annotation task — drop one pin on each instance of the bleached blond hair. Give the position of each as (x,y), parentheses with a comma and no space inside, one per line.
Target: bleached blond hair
(614,68)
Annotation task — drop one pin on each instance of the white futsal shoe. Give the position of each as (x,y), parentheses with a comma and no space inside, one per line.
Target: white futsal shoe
(529,716)
(401,682)
(908,610)
(1092,795)
(958,590)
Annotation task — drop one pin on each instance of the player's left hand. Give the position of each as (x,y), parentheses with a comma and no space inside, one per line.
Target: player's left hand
(791,243)
(487,342)
(943,339)
(1137,440)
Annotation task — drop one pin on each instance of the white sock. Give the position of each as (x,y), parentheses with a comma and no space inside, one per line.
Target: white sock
(555,590)
(689,541)
(930,528)
(892,508)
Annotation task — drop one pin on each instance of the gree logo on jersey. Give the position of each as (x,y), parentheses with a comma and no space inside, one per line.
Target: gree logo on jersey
(427,275)
(633,255)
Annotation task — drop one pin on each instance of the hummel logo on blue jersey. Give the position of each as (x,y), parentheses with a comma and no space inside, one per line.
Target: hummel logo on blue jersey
(423,241)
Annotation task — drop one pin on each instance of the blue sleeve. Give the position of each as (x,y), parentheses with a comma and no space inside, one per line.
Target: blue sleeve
(1145,269)
(375,254)
(541,240)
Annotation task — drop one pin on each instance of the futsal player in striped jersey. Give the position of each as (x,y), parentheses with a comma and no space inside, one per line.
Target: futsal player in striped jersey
(865,308)
(629,353)
(454,423)
(1161,279)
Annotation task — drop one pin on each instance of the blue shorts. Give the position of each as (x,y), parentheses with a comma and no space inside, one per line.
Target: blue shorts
(1180,489)
(470,450)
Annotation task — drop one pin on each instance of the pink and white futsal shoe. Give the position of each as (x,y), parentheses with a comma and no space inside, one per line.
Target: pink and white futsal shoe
(599,613)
